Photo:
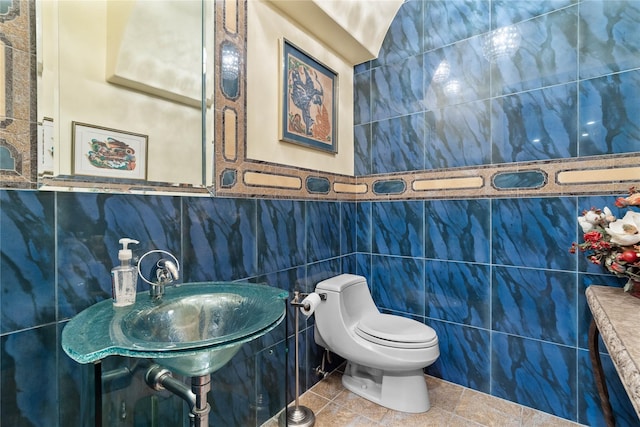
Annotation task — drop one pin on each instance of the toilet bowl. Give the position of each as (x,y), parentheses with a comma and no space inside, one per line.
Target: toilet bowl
(385,354)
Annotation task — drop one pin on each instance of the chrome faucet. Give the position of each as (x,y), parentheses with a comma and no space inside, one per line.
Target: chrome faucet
(165,272)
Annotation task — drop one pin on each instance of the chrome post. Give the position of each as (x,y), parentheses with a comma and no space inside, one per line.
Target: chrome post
(200,386)
(298,415)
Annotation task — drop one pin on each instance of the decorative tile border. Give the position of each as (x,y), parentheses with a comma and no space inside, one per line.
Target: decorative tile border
(597,176)
(350,188)
(447,183)
(525,179)
(271,180)
(6,58)
(235,175)
(10,10)
(18,127)
(571,176)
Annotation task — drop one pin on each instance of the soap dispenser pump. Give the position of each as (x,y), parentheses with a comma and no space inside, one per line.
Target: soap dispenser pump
(124,278)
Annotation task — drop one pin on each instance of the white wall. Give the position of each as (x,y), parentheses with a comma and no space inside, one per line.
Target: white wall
(266,27)
(174,129)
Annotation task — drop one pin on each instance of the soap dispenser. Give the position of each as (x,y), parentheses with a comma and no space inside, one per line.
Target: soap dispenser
(124,278)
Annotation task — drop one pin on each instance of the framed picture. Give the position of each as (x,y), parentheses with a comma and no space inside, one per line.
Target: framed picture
(309,101)
(110,153)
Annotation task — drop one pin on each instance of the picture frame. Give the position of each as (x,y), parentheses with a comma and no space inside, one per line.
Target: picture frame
(308,100)
(109,153)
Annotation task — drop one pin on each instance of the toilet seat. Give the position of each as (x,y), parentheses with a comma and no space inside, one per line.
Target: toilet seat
(395,331)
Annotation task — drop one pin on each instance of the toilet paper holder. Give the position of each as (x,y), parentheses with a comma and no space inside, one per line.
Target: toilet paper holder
(298,299)
(298,415)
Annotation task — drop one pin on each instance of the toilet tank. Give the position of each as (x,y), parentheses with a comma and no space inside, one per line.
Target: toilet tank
(349,294)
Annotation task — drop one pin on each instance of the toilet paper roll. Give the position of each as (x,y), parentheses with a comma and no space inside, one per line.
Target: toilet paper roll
(309,304)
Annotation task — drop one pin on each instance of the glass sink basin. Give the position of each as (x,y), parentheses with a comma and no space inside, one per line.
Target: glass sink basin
(194,330)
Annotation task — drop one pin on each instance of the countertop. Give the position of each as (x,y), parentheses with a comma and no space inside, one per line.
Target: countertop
(616,314)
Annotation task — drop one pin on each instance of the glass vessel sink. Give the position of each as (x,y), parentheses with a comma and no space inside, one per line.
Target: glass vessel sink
(193,330)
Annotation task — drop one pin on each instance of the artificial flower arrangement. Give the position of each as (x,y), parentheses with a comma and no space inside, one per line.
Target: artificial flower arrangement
(611,242)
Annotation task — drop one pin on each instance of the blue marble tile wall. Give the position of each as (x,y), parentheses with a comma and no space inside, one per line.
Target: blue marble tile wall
(493,277)
(437,98)
(57,250)
(495,280)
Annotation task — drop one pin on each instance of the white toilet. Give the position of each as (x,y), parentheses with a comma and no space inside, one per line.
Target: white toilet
(385,354)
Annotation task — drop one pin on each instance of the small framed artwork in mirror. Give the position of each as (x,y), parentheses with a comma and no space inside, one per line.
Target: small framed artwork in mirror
(109,153)
(309,104)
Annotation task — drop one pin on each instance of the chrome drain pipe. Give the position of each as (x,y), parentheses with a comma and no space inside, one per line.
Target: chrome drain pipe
(200,386)
(159,378)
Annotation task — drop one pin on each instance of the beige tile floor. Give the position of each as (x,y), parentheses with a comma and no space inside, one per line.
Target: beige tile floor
(451,405)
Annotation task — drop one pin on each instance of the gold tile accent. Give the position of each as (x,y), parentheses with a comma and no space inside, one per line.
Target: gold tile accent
(230,16)
(21,85)
(598,175)
(447,183)
(272,180)
(3,79)
(341,187)
(230,134)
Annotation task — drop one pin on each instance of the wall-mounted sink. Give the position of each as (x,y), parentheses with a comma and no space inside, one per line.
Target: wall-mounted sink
(194,330)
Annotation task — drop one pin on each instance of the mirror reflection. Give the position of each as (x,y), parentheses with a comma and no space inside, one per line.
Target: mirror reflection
(124,91)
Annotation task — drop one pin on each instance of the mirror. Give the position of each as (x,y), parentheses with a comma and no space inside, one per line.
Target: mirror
(125,93)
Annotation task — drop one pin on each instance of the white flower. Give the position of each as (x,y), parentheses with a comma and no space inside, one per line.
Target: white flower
(608,215)
(625,231)
(591,218)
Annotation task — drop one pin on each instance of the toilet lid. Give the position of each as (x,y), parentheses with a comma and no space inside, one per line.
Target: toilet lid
(396,331)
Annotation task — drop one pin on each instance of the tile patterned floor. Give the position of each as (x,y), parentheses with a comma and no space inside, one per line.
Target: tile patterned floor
(451,405)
